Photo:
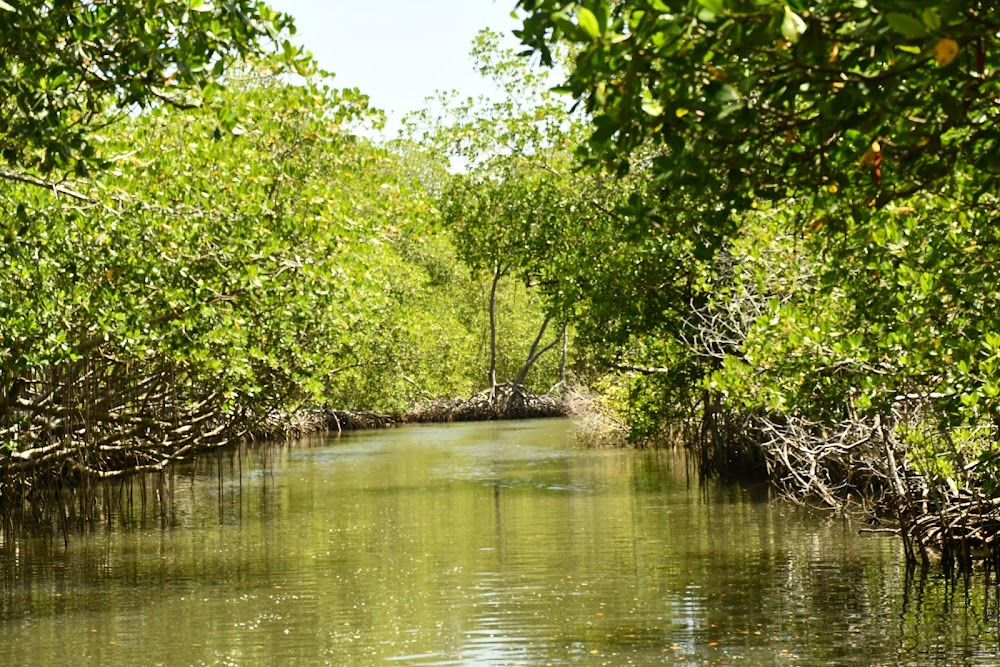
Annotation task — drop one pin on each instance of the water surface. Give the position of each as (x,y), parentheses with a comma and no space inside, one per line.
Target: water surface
(481,544)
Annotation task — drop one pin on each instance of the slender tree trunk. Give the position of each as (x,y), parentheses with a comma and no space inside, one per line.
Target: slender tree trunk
(712,448)
(562,360)
(535,353)
(497,274)
(529,362)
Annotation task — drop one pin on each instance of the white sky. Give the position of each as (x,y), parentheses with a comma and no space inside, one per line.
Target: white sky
(398,52)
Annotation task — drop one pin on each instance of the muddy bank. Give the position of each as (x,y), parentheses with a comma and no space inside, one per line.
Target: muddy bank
(504,402)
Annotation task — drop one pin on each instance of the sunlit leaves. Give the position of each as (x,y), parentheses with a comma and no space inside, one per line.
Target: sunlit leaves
(792,26)
(854,137)
(515,212)
(236,262)
(716,7)
(795,113)
(70,69)
(588,21)
(906,25)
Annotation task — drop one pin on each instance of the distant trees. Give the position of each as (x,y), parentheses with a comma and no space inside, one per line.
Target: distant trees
(512,208)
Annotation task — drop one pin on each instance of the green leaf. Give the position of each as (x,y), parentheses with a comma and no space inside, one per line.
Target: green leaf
(792,26)
(651,105)
(906,25)
(603,16)
(926,283)
(707,16)
(931,19)
(728,95)
(717,7)
(588,22)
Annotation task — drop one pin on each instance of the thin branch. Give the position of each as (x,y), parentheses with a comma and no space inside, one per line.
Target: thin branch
(37,182)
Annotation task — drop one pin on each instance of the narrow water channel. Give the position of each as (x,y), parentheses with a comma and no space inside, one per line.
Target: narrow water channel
(482,544)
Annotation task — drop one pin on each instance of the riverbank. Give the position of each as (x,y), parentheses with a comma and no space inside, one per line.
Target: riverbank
(61,471)
(855,466)
(504,402)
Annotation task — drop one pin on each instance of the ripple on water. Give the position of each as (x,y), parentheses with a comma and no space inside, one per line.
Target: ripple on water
(496,544)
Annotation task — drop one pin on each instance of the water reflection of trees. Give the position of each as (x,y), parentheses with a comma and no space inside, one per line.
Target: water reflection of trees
(480,554)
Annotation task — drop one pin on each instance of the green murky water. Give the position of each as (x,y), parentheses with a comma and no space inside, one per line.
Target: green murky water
(483,544)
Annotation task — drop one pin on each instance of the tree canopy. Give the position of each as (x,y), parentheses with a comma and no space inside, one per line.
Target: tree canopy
(825,173)
(71,67)
(866,130)
(852,104)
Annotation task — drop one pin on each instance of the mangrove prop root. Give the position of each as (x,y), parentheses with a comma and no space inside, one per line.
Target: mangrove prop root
(859,464)
(505,401)
(68,433)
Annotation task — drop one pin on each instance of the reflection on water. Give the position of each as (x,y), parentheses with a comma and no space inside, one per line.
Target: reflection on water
(482,544)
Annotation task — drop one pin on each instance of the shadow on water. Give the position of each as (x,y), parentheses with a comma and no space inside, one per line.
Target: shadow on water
(472,544)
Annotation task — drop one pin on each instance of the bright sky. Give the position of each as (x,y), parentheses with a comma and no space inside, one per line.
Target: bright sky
(398,52)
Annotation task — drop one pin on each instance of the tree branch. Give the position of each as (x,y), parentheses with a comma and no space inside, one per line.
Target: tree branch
(37,182)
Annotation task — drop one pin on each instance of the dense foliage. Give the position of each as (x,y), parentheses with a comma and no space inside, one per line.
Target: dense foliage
(860,132)
(71,67)
(770,223)
(825,173)
(208,287)
(512,208)
(215,278)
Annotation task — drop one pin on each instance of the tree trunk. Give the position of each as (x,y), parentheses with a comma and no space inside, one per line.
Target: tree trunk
(535,353)
(562,360)
(497,275)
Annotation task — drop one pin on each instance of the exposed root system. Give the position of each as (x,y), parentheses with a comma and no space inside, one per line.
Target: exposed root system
(861,465)
(506,401)
(61,460)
